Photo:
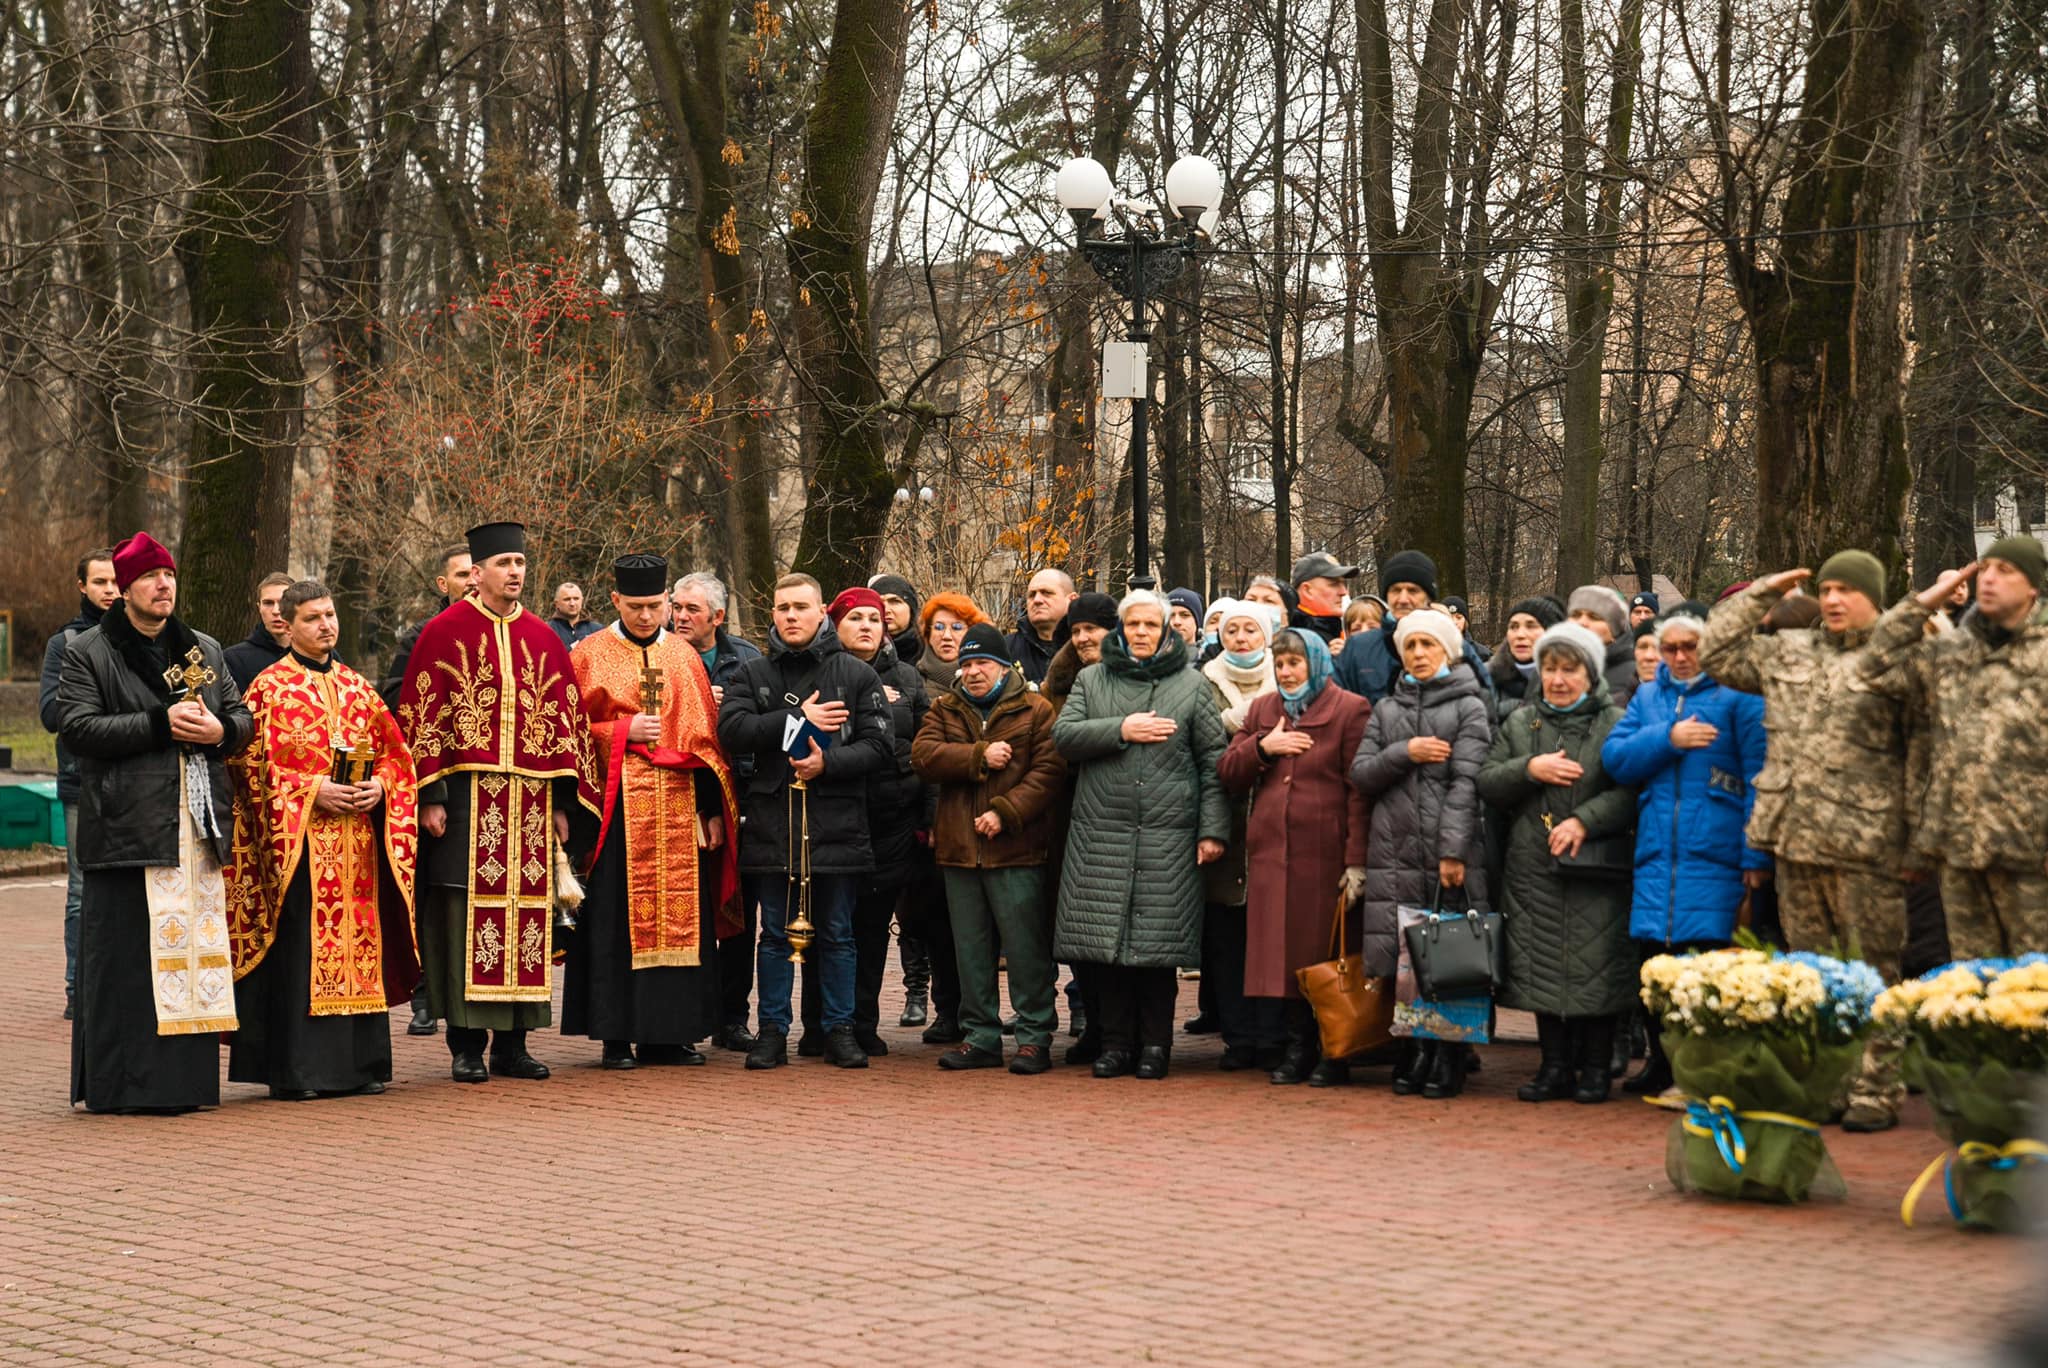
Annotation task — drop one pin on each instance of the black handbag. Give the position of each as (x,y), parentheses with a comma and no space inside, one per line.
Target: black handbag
(1458,954)
(1599,857)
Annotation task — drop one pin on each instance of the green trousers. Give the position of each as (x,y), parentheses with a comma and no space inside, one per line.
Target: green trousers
(1993,913)
(444,968)
(1000,913)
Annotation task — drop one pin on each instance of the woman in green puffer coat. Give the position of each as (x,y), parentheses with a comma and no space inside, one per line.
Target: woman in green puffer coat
(1143,729)
(1570,855)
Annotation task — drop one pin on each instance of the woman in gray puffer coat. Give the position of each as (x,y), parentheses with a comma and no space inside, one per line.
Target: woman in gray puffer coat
(1419,763)
(1148,809)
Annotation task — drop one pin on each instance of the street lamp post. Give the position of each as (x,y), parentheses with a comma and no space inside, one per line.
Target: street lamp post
(1137,265)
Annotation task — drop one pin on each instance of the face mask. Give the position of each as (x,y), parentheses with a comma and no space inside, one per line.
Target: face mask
(1246,660)
(1210,641)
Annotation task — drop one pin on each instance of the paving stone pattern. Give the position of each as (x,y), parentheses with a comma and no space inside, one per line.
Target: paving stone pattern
(901,1215)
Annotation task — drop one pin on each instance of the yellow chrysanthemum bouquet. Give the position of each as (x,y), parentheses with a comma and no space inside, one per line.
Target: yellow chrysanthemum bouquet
(1759,1043)
(1977,1044)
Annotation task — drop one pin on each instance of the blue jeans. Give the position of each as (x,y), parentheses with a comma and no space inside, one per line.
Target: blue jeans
(74,896)
(831,952)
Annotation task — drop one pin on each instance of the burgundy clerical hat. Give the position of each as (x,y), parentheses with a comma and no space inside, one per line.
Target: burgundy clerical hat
(139,555)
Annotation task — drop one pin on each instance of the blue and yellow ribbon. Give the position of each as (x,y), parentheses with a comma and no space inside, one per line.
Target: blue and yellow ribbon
(1716,1119)
(1999,1157)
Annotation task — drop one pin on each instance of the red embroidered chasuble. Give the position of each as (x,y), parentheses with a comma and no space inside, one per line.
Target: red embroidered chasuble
(652,789)
(497,697)
(363,959)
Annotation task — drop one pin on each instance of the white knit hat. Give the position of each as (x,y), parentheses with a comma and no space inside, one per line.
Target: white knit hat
(1264,614)
(1429,622)
(1579,641)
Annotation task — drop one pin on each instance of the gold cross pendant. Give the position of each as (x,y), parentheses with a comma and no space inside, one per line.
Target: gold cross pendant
(194,675)
(1546,821)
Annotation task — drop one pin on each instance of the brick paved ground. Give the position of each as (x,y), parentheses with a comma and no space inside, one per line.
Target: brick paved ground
(900,1215)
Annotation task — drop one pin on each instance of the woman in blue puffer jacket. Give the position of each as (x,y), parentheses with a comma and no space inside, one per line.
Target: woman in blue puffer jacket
(1691,749)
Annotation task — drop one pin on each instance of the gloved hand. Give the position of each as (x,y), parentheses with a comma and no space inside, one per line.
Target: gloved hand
(1352,885)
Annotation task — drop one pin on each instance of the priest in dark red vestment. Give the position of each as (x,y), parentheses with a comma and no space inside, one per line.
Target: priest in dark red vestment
(320,884)
(492,711)
(642,967)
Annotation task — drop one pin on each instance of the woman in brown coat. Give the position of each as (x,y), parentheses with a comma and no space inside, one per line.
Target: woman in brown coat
(1305,843)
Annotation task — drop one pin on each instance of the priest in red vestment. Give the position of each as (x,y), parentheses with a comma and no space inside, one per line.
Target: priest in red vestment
(492,711)
(320,883)
(642,967)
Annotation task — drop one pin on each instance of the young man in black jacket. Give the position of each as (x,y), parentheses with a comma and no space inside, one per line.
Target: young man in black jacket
(97,592)
(265,644)
(804,815)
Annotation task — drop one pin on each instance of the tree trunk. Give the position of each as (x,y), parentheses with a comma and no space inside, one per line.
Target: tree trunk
(1591,222)
(1830,318)
(241,253)
(846,144)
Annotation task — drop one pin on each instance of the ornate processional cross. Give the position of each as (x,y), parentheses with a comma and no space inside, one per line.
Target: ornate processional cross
(650,689)
(194,675)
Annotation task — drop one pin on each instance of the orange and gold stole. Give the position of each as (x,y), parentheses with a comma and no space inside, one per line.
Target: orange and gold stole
(652,789)
(364,959)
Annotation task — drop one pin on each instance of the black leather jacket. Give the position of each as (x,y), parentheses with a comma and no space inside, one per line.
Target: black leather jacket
(114,707)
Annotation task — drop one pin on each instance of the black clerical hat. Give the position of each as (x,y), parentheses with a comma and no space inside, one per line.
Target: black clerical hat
(495,539)
(640,576)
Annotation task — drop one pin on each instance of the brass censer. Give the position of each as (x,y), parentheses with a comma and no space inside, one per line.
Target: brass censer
(797,928)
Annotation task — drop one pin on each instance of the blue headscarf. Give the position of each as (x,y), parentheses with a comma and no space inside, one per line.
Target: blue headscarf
(1320,667)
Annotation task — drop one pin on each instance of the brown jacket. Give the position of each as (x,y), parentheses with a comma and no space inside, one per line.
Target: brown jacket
(950,752)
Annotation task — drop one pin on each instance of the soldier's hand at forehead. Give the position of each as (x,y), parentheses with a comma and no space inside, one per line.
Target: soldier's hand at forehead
(1786,580)
(1938,593)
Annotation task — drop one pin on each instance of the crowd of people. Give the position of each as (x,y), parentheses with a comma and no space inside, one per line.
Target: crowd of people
(267,844)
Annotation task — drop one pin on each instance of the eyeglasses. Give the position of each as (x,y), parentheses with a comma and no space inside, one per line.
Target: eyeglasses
(1679,648)
(949,626)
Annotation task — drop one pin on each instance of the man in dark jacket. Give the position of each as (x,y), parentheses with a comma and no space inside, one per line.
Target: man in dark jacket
(698,604)
(148,708)
(266,642)
(804,822)
(1043,629)
(1369,664)
(458,571)
(569,622)
(896,818)
(97,592)
(1318,581)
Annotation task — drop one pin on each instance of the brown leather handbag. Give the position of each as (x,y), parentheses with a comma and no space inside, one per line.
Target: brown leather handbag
(1354,1010)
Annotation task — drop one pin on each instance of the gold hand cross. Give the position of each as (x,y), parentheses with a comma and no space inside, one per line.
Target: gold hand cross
(194,675)
(650,689)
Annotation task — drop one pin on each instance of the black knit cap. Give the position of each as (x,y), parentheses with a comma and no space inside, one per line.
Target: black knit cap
(984,642)
(1408,567)
(1091,607)
(1543,608)
(640,576)
(495,539)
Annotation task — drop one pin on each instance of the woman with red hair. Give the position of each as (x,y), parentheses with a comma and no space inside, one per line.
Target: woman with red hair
(943,624)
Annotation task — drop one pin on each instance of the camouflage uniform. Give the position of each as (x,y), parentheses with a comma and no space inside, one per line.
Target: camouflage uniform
(1832,801)
(1985,802)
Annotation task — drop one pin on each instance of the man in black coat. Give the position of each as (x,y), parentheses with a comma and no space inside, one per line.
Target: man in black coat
(97,592)
(148,708)
(697,606)
(1043,629)
(265,644)
(804,810)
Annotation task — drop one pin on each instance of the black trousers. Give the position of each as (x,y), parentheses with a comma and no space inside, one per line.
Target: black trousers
(1136,1005)
(872,913)
(924,916)
(1223,952)
(736,969)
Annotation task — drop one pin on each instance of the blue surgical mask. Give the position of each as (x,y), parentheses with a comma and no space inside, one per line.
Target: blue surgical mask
(1442,672)
(1210,641)
(1246,661)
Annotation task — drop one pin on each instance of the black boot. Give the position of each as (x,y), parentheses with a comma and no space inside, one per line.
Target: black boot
(943,1031)
(771,1048)
(843,1050)
(1446,1072)
(1596,1048)
(1554,1078)
(1655,1075)
(917,980)
(422,1023)
(1086,1050)
(1617,1050)
(1414,1067)
(618,1054)
(509,1058)
(1304,1049)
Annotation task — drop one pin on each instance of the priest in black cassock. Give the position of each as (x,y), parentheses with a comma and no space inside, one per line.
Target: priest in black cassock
(320,887)
(642,968)
(151,714)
